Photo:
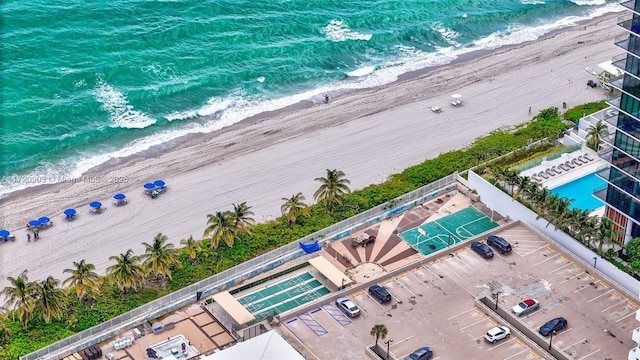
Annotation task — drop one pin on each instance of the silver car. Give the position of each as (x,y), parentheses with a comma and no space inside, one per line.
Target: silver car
(348,307)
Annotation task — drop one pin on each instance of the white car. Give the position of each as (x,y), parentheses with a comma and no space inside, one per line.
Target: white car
(348,307)
(497,333)
(525,307)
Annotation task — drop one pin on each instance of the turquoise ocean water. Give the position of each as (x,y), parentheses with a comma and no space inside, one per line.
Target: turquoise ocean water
(83,82)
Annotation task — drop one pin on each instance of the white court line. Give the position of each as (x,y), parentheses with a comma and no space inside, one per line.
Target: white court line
(586,286)
(575,343)
(561,267)
(475,323)
(534,250)
(586,356)
(626,316)
(400,341)
(612,306)
(462,313)
(434,274)
(549,258)
(496,346)
(465,264)
(418,280)
(601,295)
(525,350)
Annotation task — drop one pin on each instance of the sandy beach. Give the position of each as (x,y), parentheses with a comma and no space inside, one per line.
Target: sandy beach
(368,135)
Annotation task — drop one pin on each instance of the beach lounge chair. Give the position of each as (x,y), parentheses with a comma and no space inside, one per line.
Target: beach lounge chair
(556,169)
(550,172)
(563,167)
(535,178)
(576,162)
(435,109)
(456,103)
(569,165)
(543,175)
(587,157)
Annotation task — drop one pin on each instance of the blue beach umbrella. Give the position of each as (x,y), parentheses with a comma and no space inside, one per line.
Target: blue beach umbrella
(34,223)
(95,204)
(158,183)
(44,220)
(149,186)
(70,212)
(119,196)
(4,233)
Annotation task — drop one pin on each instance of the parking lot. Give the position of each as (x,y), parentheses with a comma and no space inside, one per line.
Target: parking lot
(433,305)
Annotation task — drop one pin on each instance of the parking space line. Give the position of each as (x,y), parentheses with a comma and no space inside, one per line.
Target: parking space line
(475,323)
(612,306)
(533,353)
(632,304)
(577,267)
(586,356)
(626,316)
(504,342)
(573,277)
(561,267)
(575,343)
(423,282)
(462,313)
(525,350)
(586,286)
(465,264)
(548,258)
(434,274)
(599,296)
(604,285)
(523,345)
(401,341)
(448,267)
(406,288)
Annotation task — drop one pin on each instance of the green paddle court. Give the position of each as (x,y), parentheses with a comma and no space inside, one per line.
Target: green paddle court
(449,230)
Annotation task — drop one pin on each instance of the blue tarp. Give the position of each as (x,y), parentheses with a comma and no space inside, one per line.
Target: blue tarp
(309,248)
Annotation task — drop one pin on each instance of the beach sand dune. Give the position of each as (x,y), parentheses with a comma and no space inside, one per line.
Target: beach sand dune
(368,135)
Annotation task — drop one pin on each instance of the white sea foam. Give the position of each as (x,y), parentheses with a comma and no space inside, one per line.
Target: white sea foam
(366,70)
(261,79)
(337,30)
(121,113)
(447,34)
(589,2)
(532,2)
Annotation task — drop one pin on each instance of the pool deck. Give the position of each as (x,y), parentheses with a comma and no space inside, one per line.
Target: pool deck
(567,176)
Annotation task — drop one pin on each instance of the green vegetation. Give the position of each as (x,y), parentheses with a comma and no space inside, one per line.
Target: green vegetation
(37,318)
(574,114)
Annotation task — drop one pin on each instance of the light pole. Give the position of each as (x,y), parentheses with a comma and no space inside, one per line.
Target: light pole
(388,342)
(449,241)
(595,261)
(551,339)
(495,296)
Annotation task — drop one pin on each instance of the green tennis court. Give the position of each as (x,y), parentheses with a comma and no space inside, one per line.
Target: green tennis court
(449,230)
(284,295)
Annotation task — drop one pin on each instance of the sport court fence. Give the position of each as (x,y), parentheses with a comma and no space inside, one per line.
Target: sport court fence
(241,272)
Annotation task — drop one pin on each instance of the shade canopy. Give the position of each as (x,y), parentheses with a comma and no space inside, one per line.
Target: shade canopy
(34,223)
(95,204)
(70,212)
(44,220)
(4,233)
(233,307)
(332,273)
(149,186)
(158,183)
(456,96)
(119,196)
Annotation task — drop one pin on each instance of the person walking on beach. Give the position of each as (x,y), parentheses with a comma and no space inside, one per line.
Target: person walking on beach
(529,110)
(36,234)
(326,99)
(28,237)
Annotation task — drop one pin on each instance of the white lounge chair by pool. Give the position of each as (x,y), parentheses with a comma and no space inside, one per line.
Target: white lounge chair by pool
(569,165)
(435,109)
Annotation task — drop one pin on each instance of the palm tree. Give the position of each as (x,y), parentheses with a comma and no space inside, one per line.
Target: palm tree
(127,272)
(220,227)
(242,218)
(159,257)
(294,207)
(4,328)
(595,134)
(84,280)
(332,188)
(606,233)
(191,247)
(50,299)
(19,297)
(559,213)
(379,331)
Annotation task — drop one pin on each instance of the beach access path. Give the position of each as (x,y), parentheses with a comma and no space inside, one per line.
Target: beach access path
(368,134)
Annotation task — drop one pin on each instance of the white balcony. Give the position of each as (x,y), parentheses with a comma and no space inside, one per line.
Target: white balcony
(636,335)
(633,354)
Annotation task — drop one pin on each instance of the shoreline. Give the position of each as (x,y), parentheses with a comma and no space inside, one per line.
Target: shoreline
(368,133)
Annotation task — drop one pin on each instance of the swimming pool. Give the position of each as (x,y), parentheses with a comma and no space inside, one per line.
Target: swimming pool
(581,192)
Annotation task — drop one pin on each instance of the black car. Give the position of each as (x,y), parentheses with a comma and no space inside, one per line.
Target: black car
(482,249)
(499,244)
(553,325)
(380,293)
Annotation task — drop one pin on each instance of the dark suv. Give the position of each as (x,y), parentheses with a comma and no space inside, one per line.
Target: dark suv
(482,249)
(499,244)
(380,293)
